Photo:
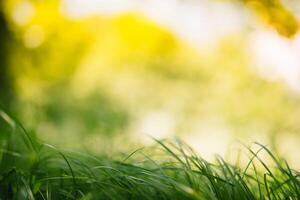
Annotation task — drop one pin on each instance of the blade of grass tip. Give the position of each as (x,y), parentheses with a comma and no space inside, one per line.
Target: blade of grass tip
(251,160)
(273,157)
(7,119)
(169,150)
(66,160)
(13,122)
(155,163)
(183,152)
(262,162)
(266,167)
(131,154)
(194,156)
(27,135)
(69,165)
(238,157)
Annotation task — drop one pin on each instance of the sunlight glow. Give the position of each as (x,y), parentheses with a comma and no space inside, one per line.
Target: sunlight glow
(33,36)
(157,124)
(209,142)
(277,57)
(22,13)
(199,23)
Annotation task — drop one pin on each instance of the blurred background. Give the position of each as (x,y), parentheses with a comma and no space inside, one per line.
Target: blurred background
(106,75)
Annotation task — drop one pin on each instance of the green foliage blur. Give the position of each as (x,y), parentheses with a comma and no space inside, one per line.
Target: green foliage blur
(81,81)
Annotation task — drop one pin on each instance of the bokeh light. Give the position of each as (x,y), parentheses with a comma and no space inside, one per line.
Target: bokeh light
(94,75)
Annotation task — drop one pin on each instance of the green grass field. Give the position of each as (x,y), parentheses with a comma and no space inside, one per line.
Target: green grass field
(31,169)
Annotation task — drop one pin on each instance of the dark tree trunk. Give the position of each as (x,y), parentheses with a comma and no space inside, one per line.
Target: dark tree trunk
(6,92)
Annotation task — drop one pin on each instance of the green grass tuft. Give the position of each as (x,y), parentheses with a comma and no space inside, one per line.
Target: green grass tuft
(169,170)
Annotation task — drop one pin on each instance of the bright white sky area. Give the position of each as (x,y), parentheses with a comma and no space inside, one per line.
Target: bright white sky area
(202,23)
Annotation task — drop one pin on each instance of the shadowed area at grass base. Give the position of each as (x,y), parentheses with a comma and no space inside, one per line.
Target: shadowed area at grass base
(31,169)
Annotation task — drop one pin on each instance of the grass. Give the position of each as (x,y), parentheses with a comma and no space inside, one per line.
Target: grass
(30,169)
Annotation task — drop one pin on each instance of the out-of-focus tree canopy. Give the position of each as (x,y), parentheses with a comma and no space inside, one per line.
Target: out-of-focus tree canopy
(276,14)
(76,78)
